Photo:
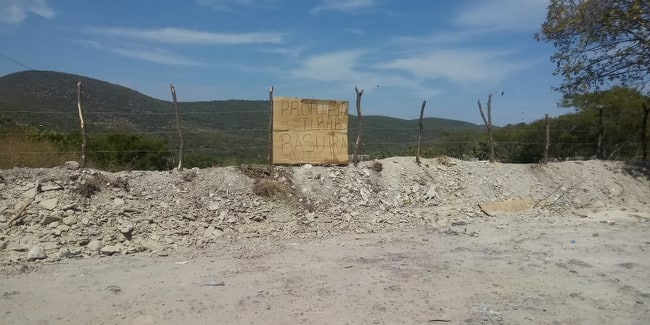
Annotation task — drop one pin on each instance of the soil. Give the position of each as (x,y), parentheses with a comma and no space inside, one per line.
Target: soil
(568,243)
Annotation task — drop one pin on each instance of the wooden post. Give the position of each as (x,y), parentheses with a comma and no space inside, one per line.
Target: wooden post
(547,143)
(488,124)
(178,126)
(355,158)
(271,130)
(84,140)
(421,124)
(644,132)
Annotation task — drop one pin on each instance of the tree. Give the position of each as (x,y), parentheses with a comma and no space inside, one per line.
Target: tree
(599,42)
(619,118)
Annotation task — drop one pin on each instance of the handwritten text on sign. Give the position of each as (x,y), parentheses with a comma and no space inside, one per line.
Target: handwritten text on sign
(310,131)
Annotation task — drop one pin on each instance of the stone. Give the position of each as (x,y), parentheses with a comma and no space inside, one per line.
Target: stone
(126,229)
(209,232)
(95,245)
(118,201)
(509,206)
(31,193)
(63,228)
(85,221)
(50,218)
(431,193)
(69,221)
(152,245)
(51,187)
(36,253)
(189,217)
(71,165)
(49,204)
(213,206)
(110,250)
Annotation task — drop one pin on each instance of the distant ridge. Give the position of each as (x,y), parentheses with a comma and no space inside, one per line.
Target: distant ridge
(49,99)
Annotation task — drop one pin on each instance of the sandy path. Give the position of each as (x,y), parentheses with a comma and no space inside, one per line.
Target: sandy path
(560,270)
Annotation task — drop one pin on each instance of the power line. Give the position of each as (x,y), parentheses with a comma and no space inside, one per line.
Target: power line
(16,62)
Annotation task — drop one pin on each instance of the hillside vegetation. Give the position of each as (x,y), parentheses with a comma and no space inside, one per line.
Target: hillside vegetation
(129,130)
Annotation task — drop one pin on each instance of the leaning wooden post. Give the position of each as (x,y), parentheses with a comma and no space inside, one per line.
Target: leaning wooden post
(547,143)
(421,124)
(270,129)
(178,126)
(355,158)
(488,124)
(84,140)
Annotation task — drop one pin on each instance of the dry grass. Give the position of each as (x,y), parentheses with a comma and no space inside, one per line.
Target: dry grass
(16,151)
(270,188)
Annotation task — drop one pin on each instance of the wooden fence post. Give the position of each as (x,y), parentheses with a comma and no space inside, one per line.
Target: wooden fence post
(547,143)
(421,124)
(355,158)
(84,140)
(488,124)
(271,130)
(178,126)
(644,136)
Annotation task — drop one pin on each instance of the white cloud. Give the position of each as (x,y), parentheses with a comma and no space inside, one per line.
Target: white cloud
(343,69)
(460,66)
(229,5)
(160,56)
(511,15)
(346,6)
(336,66)
(14,12)
(188,36)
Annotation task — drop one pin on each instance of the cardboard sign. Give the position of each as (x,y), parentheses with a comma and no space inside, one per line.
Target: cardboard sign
(310,131)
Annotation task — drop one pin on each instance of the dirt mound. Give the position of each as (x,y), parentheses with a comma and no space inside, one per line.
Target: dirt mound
(57,213)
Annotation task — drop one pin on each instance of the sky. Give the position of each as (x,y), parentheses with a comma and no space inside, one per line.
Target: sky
(450,53)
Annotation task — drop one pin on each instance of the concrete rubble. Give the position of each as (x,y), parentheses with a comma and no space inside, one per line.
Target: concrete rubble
(71,211)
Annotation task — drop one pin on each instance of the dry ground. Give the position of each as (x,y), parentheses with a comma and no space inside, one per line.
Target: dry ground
(583,262)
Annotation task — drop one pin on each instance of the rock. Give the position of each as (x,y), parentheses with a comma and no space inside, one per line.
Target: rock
(213,206)
(509,206)
(431,193)
(36,253)
(69,221)
(31,193)
(51,187)
(126,229)
(71,165)
(189,216)
(48,204)
(113,289)
(258,218)
(118,201)
(95,245)
(3,218)
(152,245)
(110,250)
(63,228)
(50,218)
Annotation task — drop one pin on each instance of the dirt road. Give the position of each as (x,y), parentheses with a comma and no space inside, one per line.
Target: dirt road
(559,270)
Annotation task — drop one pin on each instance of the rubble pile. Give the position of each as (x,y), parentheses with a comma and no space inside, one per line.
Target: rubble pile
(67,212)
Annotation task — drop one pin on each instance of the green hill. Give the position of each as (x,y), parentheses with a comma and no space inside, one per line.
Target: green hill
(231,128)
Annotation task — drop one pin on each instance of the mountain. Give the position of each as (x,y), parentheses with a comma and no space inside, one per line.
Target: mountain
(230,127)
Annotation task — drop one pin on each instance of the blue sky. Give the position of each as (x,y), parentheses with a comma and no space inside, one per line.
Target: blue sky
(449,52)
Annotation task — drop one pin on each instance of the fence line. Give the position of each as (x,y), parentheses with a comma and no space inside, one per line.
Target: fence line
(432,137)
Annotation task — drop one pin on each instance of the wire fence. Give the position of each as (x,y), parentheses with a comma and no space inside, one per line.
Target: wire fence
(241,135)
